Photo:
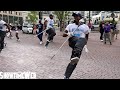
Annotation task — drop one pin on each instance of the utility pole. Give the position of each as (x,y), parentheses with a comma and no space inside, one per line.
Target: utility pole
(89,16)
(40,15)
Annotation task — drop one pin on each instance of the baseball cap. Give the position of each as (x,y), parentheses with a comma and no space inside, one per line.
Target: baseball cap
(77,15)
(51,15)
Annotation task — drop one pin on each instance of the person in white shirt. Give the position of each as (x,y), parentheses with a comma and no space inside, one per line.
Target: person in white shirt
(86,27)
(76,31)
(49,26)
(117,28)
(3,25)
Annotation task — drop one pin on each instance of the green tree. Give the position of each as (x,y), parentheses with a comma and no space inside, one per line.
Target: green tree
(32,16)
(62,16)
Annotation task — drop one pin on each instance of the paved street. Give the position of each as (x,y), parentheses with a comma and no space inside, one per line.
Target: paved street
(102,61)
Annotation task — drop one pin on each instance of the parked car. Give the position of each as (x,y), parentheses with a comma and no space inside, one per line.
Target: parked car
(95,27)
(27,29)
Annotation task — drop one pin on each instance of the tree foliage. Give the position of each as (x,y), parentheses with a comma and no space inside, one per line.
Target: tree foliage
(32,16)
(62,16)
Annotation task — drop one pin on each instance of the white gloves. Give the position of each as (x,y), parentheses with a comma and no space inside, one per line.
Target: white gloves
(70,34)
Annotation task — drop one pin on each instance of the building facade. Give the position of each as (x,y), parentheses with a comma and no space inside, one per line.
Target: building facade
(26,18)
(25,15)
(92,13)
(13,17)
(45,14)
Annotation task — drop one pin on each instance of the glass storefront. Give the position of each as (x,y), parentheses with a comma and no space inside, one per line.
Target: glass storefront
(11,19)
(15,20)
(5,18)
(20,20)
(1,16)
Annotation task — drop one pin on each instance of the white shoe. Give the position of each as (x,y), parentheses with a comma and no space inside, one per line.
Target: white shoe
(18,40)
(101,40)
(75,58)
(85,48)
(41,42)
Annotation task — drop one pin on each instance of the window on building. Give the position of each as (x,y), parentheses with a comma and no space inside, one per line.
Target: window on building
(10,12)
(99,18)
(87,14)
(46,12)
(26,17)
(16,13)
(19,13)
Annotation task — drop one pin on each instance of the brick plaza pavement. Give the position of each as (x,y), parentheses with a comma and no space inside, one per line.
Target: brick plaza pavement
(102,61)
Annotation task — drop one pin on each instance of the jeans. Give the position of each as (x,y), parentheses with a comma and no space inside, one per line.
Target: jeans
(16,34)
(51,33)
(87,36)
(40,35)
(77,44)
(107,35)
(2,37)
(101,35)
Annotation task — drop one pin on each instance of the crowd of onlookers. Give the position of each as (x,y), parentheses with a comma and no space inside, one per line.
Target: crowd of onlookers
(109,30)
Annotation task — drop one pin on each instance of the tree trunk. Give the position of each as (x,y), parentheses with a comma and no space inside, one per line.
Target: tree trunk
(60,26)
(63,26)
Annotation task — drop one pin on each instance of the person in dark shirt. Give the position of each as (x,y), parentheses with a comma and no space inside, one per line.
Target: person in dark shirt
(107,30)
(40,29)
(3,26)
(101,30)
(113,30)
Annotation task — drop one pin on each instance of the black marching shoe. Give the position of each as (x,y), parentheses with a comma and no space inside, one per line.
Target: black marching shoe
(66,77)
(104,42)
(110,43)
(46,45)
(0,50)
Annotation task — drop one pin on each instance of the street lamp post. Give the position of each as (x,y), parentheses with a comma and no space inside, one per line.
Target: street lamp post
(40,14)
(89,16)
